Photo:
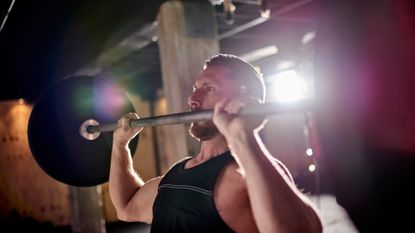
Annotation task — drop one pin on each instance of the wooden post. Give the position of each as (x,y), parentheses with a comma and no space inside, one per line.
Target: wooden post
(187,36)
(86,210)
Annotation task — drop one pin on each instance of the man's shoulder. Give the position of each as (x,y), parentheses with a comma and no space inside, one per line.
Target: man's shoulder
(180,161)
(232,174)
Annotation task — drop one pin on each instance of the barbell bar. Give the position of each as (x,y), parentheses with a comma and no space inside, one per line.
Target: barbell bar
(91,129)
(71,111)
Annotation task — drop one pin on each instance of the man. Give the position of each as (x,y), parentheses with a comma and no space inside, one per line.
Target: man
(233,184)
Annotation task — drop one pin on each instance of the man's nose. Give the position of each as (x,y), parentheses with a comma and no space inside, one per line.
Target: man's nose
(194,100)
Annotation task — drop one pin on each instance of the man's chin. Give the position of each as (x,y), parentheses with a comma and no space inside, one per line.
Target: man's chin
(203,131)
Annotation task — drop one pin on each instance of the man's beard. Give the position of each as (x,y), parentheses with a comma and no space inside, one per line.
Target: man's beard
(203,130)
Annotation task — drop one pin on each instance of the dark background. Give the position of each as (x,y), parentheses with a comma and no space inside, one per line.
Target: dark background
(45,41)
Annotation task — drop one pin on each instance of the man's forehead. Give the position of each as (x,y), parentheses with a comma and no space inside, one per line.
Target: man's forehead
(215,74)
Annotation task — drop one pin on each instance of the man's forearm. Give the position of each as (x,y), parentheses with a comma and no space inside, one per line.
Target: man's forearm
(123,181)
(277,205)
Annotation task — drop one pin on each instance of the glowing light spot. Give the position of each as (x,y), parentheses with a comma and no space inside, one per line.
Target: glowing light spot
(20,101)
(103,100)
(308,37)
(266,13)
(309,152)
(288,86)
(287,64)
(110,100)
(312,167)
(83,101)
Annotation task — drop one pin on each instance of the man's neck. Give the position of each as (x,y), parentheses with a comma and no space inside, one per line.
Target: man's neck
(213,147)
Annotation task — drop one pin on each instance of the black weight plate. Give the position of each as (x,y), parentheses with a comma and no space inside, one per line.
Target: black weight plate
(54,123)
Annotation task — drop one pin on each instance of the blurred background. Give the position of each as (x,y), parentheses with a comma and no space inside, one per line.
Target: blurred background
(146,48)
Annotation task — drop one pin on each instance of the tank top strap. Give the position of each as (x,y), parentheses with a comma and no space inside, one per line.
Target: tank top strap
(209,170)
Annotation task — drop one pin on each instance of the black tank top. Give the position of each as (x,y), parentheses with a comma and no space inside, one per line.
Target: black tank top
(184,203)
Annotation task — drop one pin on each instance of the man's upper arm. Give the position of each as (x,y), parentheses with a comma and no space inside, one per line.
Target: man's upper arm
(140,206)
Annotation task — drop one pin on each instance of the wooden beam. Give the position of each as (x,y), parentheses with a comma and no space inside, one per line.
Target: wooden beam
(187,36)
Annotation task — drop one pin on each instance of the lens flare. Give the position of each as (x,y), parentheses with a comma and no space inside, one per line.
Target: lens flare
(109,100)
(288,86)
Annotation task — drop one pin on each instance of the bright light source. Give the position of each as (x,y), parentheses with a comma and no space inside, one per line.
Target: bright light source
(312,167)
(154,38)
(20,101)
(283,65)
(309,152)
(216,2)
(308,37)
(288,86)
(266,13)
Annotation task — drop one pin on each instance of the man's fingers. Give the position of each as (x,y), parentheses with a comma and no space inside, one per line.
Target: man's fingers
(235,105)
(220,106)
(124,122)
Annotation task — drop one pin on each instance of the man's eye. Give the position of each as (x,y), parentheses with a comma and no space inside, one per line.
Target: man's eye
(210,88)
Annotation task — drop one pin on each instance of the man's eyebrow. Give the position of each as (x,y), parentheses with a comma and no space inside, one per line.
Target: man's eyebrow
(203,83)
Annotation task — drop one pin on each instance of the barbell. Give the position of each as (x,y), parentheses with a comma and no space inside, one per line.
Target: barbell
(69,143)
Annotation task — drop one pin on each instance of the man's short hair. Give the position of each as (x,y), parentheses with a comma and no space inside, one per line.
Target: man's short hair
(250,78)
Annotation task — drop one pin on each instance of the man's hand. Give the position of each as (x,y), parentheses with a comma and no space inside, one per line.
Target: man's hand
(228,121)
(124,132)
